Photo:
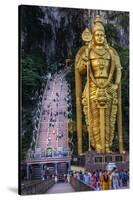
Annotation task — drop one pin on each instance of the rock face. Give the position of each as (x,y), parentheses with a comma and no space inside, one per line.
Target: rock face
(68,24)
(62,28)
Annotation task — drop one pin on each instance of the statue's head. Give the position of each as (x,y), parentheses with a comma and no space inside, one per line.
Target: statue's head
(98,32)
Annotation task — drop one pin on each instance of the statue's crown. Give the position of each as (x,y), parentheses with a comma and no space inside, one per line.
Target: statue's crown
(98,24)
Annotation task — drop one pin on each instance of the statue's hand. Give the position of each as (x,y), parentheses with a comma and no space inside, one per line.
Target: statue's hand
(84,65)
(115,87)
(85,58)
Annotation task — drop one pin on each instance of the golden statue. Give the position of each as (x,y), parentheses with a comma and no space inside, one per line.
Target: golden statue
(101,97)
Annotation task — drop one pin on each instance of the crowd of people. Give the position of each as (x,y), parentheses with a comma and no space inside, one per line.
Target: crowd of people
(103,179)
(66,178)
(53,126)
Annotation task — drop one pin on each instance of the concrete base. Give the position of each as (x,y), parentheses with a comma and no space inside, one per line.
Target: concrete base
(95,160)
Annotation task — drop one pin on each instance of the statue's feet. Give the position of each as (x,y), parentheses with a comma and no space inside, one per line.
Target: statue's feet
(108,150)
(123,152)
(99,149)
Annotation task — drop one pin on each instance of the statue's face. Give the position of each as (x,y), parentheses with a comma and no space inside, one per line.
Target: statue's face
(99,38)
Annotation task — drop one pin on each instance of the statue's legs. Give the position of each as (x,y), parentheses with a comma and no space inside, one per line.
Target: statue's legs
(107,128)
(95,117)
(96,126)
(112,104)
(88,117)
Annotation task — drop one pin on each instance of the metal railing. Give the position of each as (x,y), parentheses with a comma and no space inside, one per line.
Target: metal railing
(36,186)
(79,185)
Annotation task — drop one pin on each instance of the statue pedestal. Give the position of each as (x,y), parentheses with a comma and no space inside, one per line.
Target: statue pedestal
(95,160)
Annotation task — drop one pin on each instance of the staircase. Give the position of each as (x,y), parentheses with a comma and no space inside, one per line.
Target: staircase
(53,120)
(36,172)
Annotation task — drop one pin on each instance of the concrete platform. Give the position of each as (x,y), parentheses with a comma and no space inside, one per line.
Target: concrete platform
(60,188)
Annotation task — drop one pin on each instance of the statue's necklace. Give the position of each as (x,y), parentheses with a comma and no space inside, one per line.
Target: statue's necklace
(100,52)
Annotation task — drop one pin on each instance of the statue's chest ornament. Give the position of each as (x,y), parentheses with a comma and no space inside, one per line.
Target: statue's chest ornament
(99,58)
(100,52)
(101,67)
(101,63)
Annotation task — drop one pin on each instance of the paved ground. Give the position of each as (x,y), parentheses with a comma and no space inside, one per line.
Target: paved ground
(60,188)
